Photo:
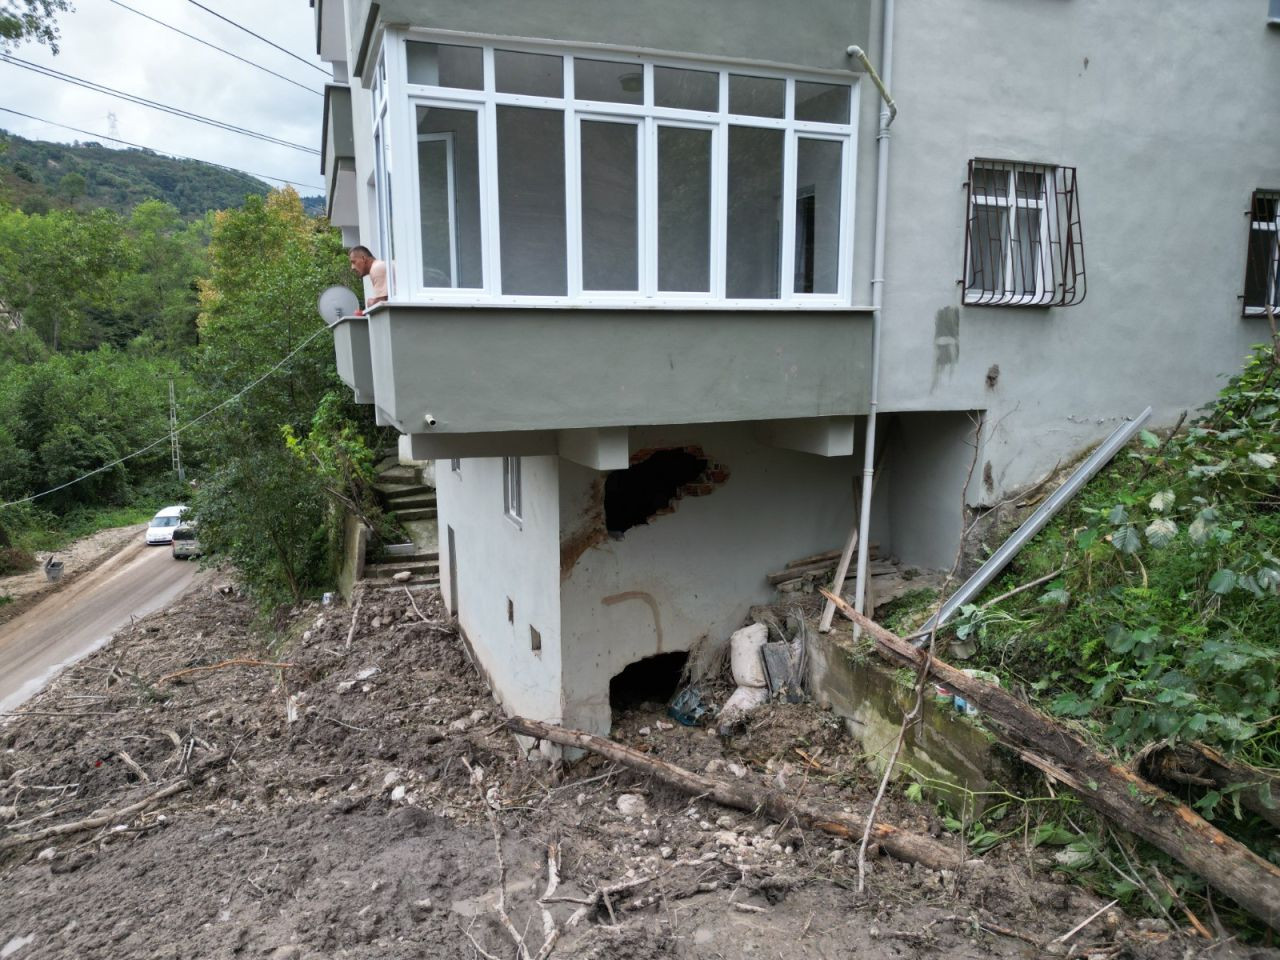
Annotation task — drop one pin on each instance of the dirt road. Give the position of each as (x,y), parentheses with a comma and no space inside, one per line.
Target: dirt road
(80,618)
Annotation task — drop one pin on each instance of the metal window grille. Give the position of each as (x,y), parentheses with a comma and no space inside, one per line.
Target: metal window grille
(1023,244)
(1262,264)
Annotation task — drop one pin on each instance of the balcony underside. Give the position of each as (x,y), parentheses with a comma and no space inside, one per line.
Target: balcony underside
(475,370)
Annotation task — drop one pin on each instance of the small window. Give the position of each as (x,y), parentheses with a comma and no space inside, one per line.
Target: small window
(445,65)
(456,467)
(1023,244)
(1262,267)
(511,490)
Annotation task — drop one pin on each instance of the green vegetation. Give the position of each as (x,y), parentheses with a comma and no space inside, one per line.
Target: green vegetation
(39,177)
(100,312)
(1165,622)
(295,449)
(31,20)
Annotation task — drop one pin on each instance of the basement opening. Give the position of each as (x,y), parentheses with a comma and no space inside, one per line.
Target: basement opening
(651,681)
(649,487)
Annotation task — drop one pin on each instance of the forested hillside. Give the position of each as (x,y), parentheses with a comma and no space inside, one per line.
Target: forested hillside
(36,177)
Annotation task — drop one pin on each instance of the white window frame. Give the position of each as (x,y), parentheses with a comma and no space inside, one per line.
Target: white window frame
(451,197)
(1271,296)
(512,493)
(455,465)
(648,118)
(1011,202)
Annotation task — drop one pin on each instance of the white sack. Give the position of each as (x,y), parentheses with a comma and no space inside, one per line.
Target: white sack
(744,655)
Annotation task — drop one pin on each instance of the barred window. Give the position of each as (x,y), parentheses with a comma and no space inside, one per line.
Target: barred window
(1023,242)
(1262,267)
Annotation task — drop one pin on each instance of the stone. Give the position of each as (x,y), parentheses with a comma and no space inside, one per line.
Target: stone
(726,838)
(402,577)
(738,770)
(392,777)
(666,853)
(632,805)
(398,793)
(725,823)
(644,731)
(287,952)
(48,853)
(420,909)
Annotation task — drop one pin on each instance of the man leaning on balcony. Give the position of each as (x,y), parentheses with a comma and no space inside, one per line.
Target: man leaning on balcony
(365,264)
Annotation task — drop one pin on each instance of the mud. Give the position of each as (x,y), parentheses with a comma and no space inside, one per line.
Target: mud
(332,811)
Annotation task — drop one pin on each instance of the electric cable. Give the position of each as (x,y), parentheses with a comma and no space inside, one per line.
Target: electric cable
(167,438)
(247,174)
(259,36)
(143,101)
(234,56)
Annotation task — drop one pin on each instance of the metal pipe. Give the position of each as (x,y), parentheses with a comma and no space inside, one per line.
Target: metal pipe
(888,112)
(1036,522)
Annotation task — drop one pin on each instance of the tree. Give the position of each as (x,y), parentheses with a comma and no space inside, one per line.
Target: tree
(288,444)
(31,20)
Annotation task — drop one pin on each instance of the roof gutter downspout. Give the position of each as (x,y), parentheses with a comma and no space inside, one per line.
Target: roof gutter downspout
(888,112)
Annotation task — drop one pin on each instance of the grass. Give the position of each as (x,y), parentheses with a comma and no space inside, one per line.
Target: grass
(83,522)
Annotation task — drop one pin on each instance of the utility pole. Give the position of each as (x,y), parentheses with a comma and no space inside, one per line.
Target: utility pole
(175,447)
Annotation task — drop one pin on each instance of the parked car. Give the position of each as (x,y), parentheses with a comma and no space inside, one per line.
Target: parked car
(160,529)
(186,543)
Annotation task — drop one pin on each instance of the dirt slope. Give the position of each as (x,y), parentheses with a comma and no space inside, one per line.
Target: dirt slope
(355,829)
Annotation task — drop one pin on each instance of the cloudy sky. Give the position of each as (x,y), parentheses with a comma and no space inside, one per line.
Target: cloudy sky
(105,43)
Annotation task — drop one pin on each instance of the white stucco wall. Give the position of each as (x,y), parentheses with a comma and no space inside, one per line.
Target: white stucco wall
(695,572)
(1167,111)
(498,560)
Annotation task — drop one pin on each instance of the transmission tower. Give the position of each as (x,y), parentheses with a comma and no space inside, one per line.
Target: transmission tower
(175,446)
(113,128)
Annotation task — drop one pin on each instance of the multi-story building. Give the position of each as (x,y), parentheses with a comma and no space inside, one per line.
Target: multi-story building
(658,270)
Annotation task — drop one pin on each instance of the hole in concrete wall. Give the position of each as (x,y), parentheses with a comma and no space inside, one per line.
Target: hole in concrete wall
(648,487)
(535,639)
(511,611)
(652,680)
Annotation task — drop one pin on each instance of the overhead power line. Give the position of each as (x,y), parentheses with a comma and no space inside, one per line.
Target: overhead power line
(168,437)
(247,174)
(259,36)
(143,101)
(234,56)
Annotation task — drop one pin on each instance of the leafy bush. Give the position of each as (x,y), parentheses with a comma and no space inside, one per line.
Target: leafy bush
(1166,620)
(15,560)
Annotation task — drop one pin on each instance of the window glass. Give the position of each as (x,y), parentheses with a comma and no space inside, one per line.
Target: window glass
(757,96)
(610,197)
(531,201)
(444,65)
(605,80)
(1025,264)
(449,197)
(532,74)
(986,254)
(990,183)
(755,213)
(686,89)
(818,176)
(684,210)
(822,102)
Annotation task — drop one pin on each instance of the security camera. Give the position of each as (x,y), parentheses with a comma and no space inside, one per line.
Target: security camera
(429,420)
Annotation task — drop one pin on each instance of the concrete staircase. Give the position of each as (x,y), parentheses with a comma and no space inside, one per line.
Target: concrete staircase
(413,503)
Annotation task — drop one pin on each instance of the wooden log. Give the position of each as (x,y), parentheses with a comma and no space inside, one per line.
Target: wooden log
(1118,794)
(877,568)
(1199,764)
(911,847)
(829,557)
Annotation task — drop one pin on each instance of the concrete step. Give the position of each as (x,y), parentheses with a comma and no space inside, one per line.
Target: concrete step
(408,552)
(417,501)
(419,568)
(425,513)
(416,585)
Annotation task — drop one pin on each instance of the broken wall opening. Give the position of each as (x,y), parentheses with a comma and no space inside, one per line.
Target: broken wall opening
(652,680)
(653,483)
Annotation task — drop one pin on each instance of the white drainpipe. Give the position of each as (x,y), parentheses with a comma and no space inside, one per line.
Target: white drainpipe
(888,112)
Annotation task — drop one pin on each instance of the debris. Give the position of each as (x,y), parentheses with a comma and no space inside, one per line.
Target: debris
(1118,794)
(404,576)
(742,796)
(687,707)
(744,655)
(741,702)
(632,805)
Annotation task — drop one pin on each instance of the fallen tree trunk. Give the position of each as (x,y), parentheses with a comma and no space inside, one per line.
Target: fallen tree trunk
(911,847)
(1200,765)
(1118,794)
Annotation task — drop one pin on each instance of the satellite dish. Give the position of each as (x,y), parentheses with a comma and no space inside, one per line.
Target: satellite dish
(337,302)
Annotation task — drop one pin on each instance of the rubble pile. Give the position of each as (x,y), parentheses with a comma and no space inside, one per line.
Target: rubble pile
(350,789)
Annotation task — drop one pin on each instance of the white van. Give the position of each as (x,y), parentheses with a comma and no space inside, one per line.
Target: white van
(162,525)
